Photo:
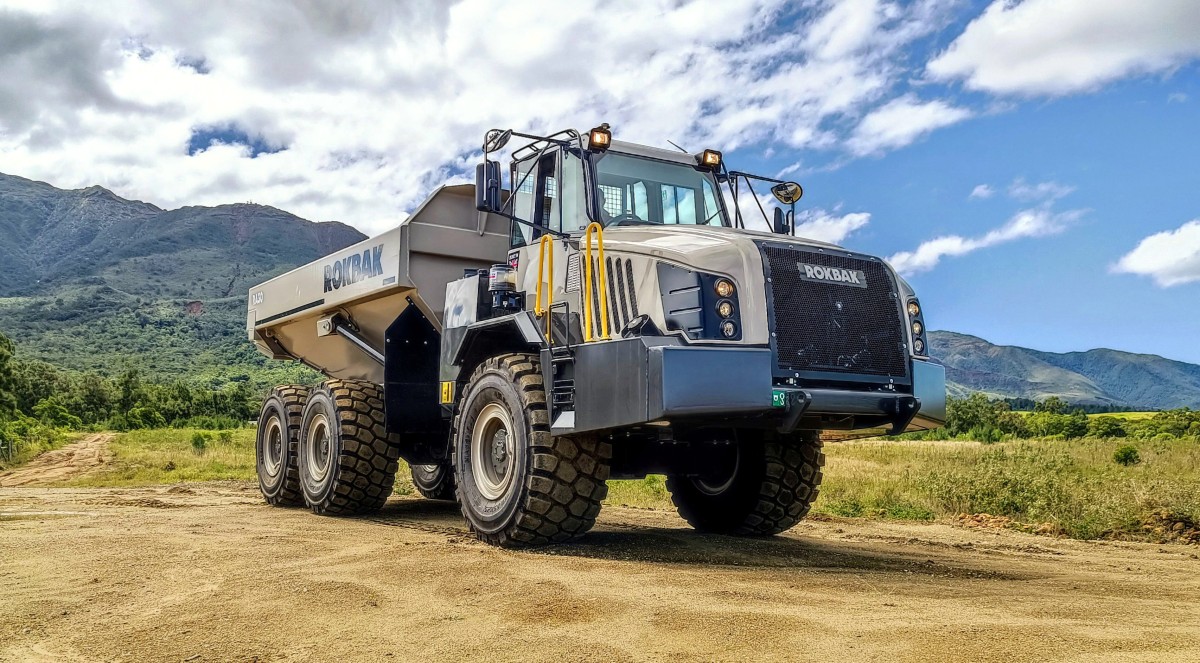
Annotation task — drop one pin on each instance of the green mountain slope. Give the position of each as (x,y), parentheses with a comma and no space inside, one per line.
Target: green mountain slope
(91,281)
(1108,377)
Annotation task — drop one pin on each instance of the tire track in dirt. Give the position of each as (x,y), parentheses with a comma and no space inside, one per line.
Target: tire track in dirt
(75,460)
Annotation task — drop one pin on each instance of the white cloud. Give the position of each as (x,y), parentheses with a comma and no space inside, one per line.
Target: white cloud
(982,191)
(823,226)
(1055,47)
(375,102)
(1171,257)
(900,122)
(1040,192)
(1177,98)
(1039,222)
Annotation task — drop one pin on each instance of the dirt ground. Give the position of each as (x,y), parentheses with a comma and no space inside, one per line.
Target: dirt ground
(208,572)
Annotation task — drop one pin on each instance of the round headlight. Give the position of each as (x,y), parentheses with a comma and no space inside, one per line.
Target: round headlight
(919,346)
(724,288)
(725,308)
(914,309)
(917,328)
(728,329)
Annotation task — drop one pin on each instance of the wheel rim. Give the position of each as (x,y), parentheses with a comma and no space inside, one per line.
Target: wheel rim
(492,448)
(426,473)
(317,451)
(273,446)
(717,487)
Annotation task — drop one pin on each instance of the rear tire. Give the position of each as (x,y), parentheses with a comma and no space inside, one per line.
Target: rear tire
(517,484)
(347,460)
(435,482)
(275,445)
(770,488)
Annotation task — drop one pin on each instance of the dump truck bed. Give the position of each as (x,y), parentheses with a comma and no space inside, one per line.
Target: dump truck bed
(371,282)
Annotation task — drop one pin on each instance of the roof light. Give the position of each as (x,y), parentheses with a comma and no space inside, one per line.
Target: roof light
(600,138)
(710,159)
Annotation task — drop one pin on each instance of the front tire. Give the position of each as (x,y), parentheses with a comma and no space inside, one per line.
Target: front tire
(275,445)
(769,489)
(517,484)
(434,482)
(347,460)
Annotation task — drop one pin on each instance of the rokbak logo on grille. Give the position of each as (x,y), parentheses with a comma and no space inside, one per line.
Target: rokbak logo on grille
(850,277)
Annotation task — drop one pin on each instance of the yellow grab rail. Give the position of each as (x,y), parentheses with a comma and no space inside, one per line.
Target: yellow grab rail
(538,310)
(598,229)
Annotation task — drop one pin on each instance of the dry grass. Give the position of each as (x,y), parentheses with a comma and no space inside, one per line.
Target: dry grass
(145,457)
(1069,487)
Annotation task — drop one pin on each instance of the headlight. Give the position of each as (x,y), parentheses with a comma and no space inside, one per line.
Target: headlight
(728,329)
(724,308)
(917,326)
(724,288)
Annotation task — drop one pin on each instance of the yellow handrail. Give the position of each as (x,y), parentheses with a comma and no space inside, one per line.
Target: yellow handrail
(603,289)
(546,240)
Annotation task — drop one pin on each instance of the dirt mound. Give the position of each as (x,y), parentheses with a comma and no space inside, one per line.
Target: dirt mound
(1164,526)
(77,459)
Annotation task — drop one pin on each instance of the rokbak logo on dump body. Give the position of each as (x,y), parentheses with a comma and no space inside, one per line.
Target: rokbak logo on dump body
(850,277)
(354,268)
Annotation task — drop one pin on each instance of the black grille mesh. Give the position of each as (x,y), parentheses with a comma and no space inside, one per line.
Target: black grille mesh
(830,327)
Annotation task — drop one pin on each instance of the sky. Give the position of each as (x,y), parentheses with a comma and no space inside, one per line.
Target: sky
(1030,167)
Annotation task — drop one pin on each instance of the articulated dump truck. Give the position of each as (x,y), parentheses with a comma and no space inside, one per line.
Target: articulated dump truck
(600,311)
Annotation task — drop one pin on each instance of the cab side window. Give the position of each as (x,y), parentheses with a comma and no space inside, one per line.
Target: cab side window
(523,180)
(537,198)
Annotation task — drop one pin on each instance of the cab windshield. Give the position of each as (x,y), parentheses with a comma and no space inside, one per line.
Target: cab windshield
(640,191)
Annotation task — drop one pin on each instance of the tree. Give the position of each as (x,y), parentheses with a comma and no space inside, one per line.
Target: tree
(52,413)
(982,417)
(129,390)
(8,401)
(1106,426)
(1053,405)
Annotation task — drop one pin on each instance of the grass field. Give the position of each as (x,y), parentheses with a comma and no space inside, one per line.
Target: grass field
(1131,416)
(1072,488)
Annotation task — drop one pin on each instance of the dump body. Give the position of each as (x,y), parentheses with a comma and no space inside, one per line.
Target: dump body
(372,282)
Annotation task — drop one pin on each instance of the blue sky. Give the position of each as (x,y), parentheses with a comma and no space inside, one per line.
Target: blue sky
(1130,153)
(1073,123)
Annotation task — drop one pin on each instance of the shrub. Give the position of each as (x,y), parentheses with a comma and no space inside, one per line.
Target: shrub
(199,443)
(225,437)
(145,417)
(1127,455)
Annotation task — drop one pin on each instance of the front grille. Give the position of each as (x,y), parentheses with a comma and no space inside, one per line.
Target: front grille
(824,325)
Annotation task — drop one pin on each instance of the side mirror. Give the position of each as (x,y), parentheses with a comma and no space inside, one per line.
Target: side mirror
(496,139)
(487,186)
(788,193)
(780,225)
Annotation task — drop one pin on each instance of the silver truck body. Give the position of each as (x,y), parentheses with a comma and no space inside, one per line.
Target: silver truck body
(372,282)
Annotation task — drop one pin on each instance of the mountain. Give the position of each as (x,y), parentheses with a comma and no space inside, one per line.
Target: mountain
(92,281)
(1102,377)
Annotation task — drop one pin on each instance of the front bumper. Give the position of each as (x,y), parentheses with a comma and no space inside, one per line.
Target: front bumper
(637,381)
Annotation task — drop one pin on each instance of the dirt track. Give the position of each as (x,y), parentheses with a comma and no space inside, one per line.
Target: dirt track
(210,573)
(77,459)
